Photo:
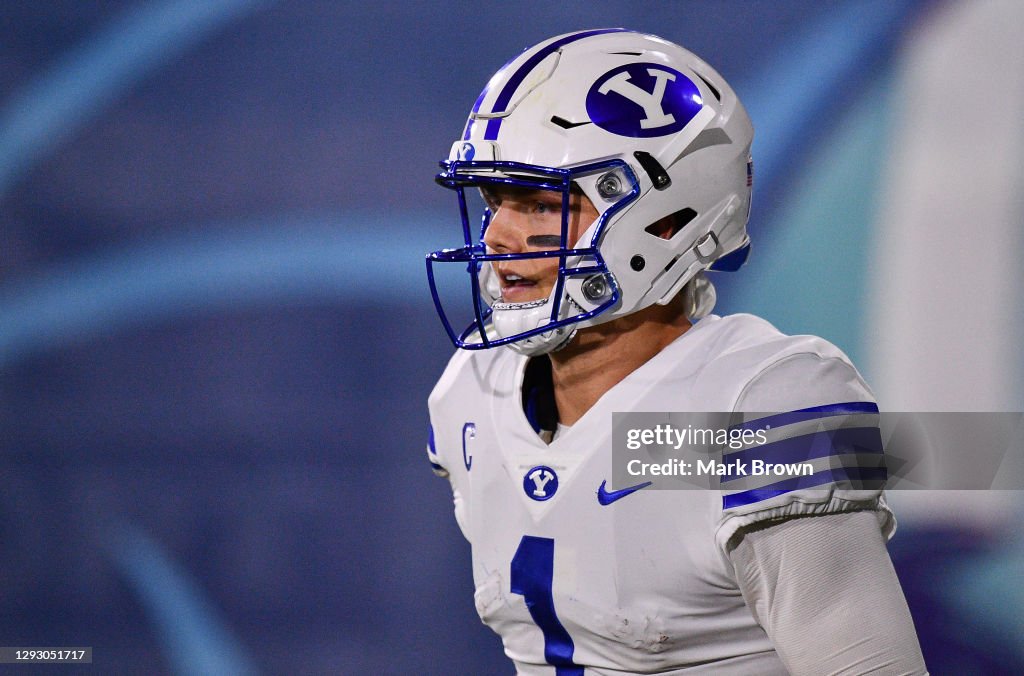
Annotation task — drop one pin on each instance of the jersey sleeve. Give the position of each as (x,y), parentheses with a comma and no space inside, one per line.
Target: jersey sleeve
(821,447)
(443,448)
(833,572)
(439,405)
(433,457)
(437,464)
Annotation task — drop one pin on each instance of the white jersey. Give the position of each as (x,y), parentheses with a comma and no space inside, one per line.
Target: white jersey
(643,583)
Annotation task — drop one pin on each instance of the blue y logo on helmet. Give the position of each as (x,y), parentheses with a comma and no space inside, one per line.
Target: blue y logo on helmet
(467,152)
(643,100)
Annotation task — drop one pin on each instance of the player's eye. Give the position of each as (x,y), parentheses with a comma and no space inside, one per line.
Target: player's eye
(544,207)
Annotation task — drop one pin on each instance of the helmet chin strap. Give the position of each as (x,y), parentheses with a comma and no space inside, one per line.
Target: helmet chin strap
(544,343)
(513,318)
(510,319)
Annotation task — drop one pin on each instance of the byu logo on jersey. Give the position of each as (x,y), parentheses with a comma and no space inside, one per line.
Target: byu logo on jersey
(540,482)
(643,100)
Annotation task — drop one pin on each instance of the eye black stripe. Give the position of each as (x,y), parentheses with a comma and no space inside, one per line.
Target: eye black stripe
(547,241)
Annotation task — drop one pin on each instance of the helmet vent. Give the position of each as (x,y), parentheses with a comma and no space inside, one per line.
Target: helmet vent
(627,53)
(566,124)
(711,87)
(666,228)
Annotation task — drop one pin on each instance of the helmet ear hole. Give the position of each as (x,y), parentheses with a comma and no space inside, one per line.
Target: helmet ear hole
(666,228)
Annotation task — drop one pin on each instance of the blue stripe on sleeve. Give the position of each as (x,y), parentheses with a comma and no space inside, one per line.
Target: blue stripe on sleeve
(431,448)
(818,444)
(813,413)
(862,478)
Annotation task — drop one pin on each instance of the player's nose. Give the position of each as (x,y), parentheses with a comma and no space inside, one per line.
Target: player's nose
(506,232)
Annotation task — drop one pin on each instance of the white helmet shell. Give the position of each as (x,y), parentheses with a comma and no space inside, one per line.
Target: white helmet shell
(647,130)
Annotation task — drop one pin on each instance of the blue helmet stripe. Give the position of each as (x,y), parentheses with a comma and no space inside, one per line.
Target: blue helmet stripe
(505,95)
(476,108)
(480,101)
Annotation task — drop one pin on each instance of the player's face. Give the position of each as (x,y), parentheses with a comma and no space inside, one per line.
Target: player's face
(525,220)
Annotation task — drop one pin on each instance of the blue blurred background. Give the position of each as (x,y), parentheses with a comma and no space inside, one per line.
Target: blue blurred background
(216,340)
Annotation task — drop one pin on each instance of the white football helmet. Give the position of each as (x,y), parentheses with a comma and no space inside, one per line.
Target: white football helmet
(646,130)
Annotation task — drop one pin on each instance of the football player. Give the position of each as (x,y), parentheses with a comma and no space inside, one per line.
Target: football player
(615,170)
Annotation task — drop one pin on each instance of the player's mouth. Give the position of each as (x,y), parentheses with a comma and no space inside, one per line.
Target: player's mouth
(517,288)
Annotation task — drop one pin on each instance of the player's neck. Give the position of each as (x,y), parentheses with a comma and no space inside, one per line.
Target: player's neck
(601,356)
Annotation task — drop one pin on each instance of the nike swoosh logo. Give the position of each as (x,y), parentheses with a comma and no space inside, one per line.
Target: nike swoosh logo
(608,497)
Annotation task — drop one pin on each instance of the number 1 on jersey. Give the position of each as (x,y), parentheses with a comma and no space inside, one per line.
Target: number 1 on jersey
(533,569)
